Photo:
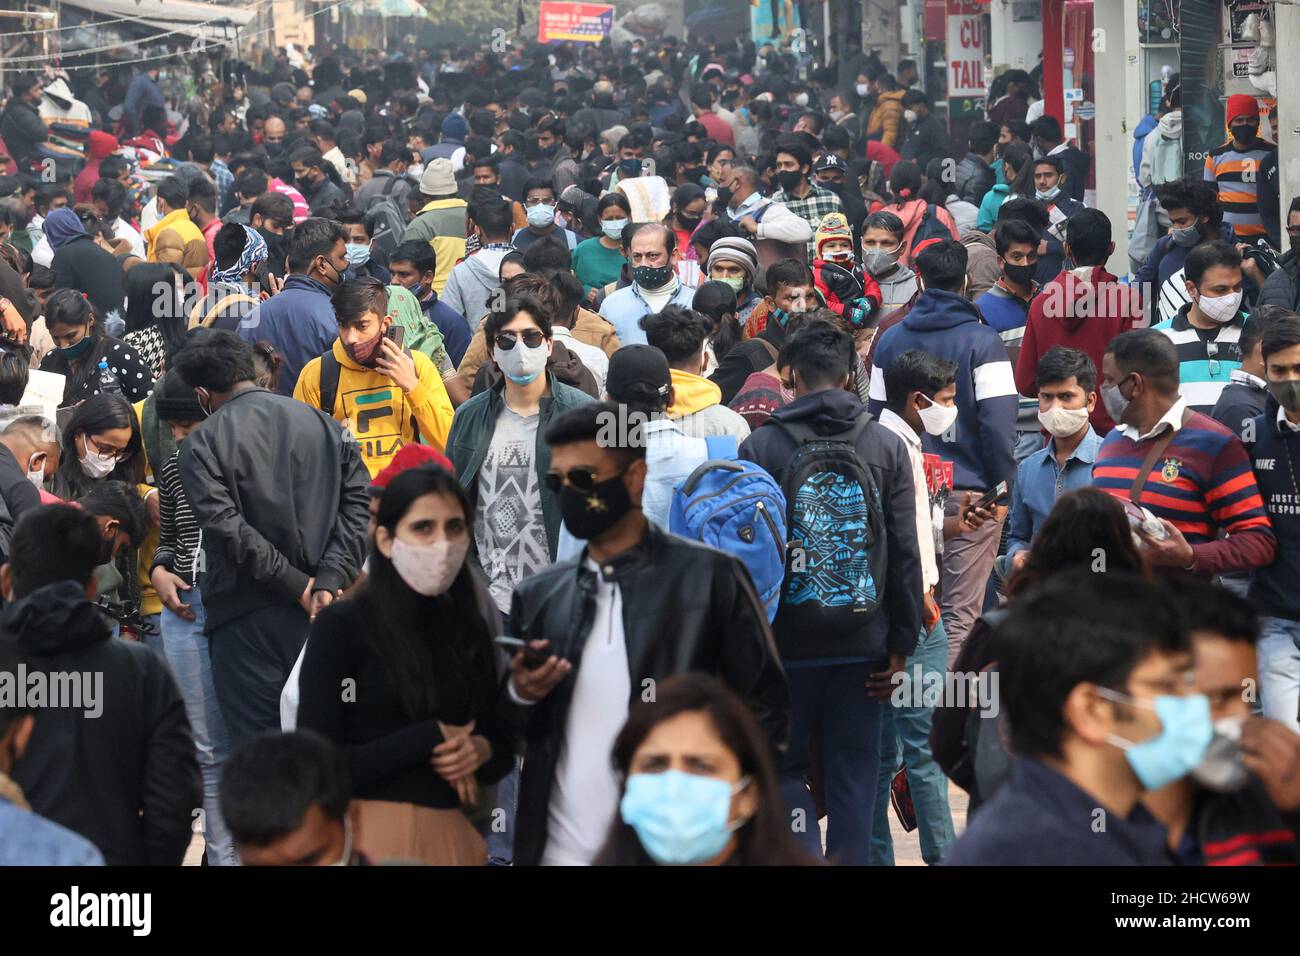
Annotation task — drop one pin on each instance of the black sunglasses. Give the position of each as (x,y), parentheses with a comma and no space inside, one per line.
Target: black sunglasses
(505,341)
(584,479)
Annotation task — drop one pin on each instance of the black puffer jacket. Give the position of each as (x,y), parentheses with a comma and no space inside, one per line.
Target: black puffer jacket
(686,608)
(121,769)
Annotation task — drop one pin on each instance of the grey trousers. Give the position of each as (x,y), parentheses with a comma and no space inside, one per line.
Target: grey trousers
(967,562)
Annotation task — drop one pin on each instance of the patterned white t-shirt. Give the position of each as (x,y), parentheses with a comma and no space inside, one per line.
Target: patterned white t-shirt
(509,531)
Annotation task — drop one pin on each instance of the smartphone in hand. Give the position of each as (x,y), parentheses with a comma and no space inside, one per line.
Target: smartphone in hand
(533,658)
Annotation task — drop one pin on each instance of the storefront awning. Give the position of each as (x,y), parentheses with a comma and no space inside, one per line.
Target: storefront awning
(188,18)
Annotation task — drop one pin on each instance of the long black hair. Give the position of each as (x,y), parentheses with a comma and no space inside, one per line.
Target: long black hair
(1020,158)
(153,298)
(94,416)
(70,307)
(438,651)
(764,839)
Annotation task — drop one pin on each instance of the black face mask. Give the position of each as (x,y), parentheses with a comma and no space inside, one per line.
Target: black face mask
(1020,275)
(724,195)
(1244,132)
(693,174)
(788,180)
(589,514)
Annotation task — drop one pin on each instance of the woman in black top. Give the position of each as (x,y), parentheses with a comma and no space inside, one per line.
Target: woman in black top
(155,313)
(404,677)
(80,345)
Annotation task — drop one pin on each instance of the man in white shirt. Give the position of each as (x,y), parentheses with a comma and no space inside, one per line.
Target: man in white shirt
(637,606)
(920,395)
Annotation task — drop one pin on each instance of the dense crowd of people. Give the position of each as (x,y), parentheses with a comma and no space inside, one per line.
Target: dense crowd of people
(672,453)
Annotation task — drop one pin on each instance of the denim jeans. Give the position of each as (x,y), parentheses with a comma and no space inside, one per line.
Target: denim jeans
(151,632)
(850,736)
(1279,669)
(905,735)
(186,648)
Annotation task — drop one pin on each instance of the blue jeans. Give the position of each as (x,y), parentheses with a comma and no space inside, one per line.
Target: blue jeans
(186,649)
(1279,669)
(905,734)
(834,695)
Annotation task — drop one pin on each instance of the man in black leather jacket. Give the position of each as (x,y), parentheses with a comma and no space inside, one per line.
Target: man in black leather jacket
(639,605)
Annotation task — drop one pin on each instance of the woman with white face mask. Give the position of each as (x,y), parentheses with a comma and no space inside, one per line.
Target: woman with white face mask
(100,441)
(402,675)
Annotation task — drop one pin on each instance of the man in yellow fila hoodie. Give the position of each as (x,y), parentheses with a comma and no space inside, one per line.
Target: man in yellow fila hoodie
(384,395)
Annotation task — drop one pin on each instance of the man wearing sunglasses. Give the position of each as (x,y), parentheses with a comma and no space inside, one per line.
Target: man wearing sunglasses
(497,449)
(637,606)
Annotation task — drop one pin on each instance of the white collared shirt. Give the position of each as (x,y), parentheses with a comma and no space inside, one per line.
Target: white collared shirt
(1173,418)
(924,518)
(1241,377)
(1283,420)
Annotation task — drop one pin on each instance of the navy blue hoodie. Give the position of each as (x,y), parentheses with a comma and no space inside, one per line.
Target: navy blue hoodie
(1275,455)
(980,443)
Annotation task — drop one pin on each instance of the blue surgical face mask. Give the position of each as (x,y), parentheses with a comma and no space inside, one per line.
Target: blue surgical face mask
(680,818)
(1048,195)
(1185,734)
(613,228)
(539,217)
(358,253)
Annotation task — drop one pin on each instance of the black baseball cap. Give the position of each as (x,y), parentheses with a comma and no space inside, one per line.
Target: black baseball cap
(637,374)
(829,161)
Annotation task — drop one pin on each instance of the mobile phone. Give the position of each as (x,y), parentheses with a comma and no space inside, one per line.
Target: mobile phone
(397,334)
(533,658)
(992,496)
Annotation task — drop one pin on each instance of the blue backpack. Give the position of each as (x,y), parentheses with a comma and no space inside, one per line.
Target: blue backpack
(836,521)
(736,507)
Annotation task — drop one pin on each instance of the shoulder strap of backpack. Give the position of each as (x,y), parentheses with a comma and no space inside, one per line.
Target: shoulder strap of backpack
(771,349)
(695,477)
(389,186)
(217,310)
(329,382)
(1154,452)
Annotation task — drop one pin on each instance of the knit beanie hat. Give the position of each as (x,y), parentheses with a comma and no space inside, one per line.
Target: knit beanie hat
(834,225)
(737,250)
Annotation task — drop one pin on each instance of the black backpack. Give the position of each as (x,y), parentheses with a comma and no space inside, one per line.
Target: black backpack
(834,518)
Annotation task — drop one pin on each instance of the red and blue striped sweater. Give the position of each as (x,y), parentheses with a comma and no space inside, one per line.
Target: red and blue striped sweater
(1202,484)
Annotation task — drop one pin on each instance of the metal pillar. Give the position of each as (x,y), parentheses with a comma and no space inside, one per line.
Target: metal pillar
(1113,139)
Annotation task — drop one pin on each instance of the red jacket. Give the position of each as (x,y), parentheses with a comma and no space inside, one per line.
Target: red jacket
(1081,314)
